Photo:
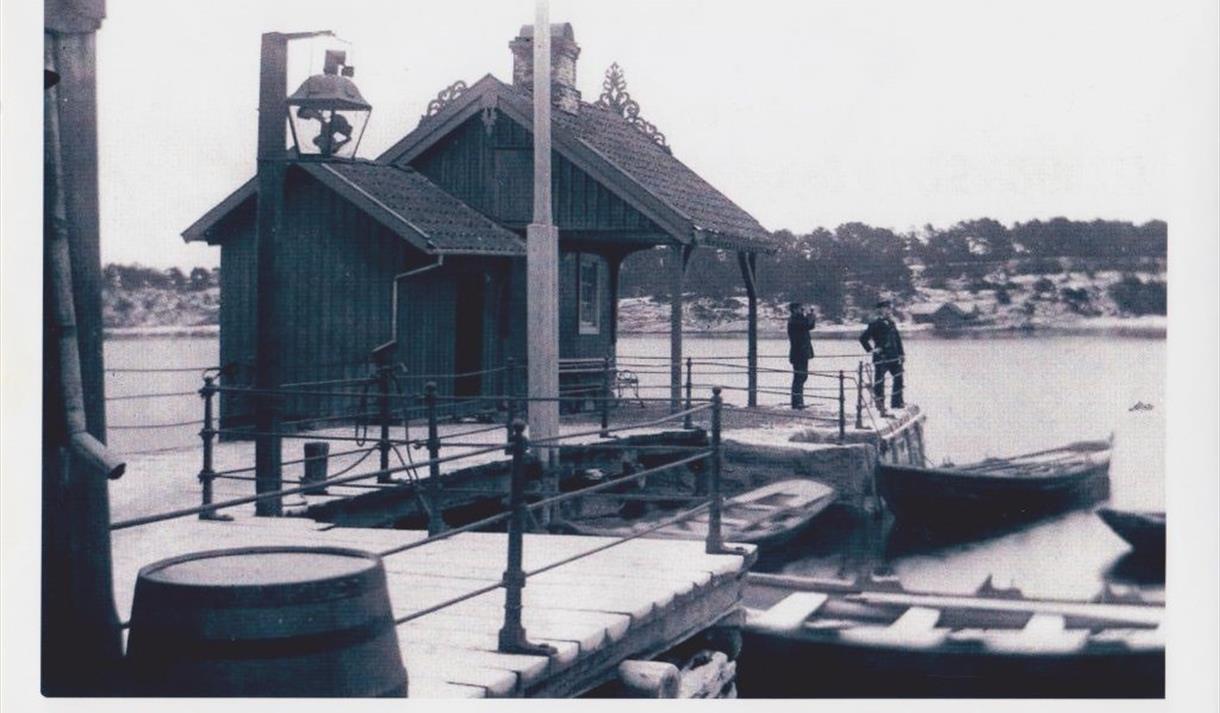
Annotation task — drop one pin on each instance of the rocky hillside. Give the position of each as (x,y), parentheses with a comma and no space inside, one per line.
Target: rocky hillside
(997,301)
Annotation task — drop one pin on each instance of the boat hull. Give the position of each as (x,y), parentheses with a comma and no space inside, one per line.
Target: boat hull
(1145,532)
(789,667)
(965,499)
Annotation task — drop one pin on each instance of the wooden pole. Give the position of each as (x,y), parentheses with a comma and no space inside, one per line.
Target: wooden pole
(542,257)
(272,115)
(81,646)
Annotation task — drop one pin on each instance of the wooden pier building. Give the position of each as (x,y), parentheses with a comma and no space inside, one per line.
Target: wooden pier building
(438,220)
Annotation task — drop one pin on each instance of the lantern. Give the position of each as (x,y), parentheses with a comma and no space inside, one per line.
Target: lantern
(327,113)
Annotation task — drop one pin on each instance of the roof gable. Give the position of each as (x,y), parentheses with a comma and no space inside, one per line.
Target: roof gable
(615,152)
(401,199)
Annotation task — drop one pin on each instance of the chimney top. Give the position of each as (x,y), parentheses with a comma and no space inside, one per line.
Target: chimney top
(564,52)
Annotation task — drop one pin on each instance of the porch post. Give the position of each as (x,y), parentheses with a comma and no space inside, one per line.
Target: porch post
(681,255)
(542,258)
(749,273)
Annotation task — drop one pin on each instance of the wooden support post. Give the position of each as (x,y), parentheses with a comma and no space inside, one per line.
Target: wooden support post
(749,267)
(268,327)
(686,420)
(383,415)
(677,284)
(648,679)
(316,461)
(436,523)
(512,635)
(207,434)
(81,643)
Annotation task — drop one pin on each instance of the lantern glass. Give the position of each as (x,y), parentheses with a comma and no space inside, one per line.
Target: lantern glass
(327,132)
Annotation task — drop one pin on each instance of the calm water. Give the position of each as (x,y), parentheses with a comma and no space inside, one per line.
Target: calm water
(995,396)
(983,397)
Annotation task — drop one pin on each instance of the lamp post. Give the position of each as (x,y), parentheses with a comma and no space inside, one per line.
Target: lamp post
(328,116)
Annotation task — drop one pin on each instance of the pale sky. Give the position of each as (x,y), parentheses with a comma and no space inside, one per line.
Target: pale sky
(806,114)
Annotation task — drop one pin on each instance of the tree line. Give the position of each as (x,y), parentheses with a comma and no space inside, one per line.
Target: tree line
(856,262)
(136,276)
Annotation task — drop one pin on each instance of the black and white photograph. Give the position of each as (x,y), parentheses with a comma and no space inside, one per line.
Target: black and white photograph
(849,354)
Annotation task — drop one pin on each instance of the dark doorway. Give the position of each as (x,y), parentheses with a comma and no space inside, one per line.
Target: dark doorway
(468,335)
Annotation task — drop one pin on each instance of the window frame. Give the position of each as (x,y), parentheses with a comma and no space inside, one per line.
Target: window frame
(585,326)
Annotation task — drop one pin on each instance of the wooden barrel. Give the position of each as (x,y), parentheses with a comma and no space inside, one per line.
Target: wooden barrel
(265,621)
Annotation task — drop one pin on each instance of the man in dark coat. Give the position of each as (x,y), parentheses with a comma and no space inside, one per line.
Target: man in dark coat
(882,340)
(800,350)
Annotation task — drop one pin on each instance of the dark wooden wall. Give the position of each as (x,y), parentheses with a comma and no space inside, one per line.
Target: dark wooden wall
(494,173)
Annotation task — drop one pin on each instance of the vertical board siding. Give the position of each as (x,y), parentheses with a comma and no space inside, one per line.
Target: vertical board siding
(494,174)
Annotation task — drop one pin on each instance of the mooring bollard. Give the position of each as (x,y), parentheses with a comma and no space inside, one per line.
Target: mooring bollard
(433,488)
(860,394)
(207,433)
(512,635)
(605,432)
(842,408)
(383,414)
(316,461)
(686,420)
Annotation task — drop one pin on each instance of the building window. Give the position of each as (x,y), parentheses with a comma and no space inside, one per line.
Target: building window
(588,287)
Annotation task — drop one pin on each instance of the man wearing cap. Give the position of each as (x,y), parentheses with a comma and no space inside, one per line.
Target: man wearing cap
(800,350)
(882,340)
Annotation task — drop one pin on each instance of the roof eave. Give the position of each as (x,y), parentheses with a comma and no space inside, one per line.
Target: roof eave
(200,230)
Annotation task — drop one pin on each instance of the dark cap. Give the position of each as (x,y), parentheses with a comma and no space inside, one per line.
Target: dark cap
(884,303)
(793,306)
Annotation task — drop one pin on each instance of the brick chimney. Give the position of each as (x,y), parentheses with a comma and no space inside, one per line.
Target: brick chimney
(564,52)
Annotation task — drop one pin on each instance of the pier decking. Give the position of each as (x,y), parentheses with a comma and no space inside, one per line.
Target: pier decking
(634,600)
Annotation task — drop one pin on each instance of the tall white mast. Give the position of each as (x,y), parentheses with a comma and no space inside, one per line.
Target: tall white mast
(542,254)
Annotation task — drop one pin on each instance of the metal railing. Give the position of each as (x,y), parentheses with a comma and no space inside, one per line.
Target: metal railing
(513,637)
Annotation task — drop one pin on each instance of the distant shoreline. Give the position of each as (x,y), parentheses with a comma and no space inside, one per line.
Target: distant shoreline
(1147,327)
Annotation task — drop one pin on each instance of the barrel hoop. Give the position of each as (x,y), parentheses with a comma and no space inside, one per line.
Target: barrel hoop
(173,648)
(274,594)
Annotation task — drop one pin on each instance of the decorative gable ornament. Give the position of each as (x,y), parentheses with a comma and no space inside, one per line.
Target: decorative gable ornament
(445,97)
(616,99)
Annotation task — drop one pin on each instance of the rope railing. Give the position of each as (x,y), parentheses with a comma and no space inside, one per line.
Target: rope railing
(212,507)
(161,370)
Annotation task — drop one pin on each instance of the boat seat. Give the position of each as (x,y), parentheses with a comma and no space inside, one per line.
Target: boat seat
(916,628)
(1043,633)
(790,613)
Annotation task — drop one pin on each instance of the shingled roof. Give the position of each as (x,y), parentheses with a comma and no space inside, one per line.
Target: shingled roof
(634,163)
(402,200)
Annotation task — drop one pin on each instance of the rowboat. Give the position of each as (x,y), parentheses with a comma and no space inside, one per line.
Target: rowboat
(825,638)
(765,516)
(1144,531)
(997,491)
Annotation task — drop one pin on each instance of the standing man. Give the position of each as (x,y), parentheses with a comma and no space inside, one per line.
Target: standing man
(800,350)
(881,339)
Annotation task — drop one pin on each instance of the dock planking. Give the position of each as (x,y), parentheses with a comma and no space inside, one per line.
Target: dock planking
(630,601)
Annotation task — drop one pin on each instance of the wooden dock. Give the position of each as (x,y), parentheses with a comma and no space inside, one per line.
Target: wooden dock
(632,601)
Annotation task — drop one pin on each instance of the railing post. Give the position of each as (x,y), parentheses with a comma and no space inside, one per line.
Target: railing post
(383,415)
(842,407)
(436,523)
(510,417)
(605,433)
(512,634)
(714,543)
(860,394)
(207,433)
(686,420)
